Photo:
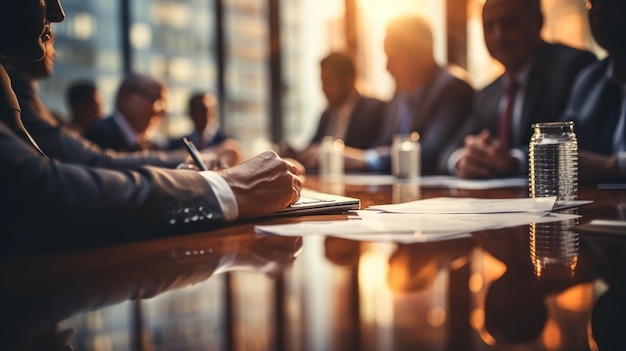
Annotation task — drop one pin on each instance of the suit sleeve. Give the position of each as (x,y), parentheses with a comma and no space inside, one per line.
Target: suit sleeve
(45,201)
(70,147)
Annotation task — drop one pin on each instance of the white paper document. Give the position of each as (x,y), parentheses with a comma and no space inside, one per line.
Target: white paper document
(405,228)
(470,205)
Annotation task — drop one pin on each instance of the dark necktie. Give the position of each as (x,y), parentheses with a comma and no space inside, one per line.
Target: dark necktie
(504,129)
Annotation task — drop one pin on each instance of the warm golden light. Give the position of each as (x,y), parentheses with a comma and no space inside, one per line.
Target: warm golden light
(552,335)
(477,319)
(476,282)
(375,292)
(577,298)
(436,316)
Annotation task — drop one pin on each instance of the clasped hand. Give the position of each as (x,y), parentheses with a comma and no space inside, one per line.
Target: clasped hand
(484,157)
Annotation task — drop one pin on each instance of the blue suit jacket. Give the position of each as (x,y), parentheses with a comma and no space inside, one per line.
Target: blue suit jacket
(546,93)
(594,106)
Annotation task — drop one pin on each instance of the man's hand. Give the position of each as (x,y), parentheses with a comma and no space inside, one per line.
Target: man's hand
(595,167)
(484,157)
(310,156)
(474,162)
(264,184)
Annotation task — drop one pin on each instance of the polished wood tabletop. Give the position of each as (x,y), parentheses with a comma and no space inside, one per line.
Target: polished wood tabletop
(532,287)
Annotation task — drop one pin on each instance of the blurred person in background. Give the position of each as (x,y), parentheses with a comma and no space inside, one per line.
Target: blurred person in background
(140,103)
(534,88)
(85,104)
(429,99)
(204,111)
(350,116)
(597,104)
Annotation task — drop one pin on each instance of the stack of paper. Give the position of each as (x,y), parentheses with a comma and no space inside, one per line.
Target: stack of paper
(433,219)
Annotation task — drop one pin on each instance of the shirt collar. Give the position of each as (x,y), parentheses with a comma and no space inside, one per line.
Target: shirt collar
(350,102)
(520,78)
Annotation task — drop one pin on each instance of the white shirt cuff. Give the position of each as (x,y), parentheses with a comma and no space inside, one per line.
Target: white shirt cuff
(223,193)
(452,160)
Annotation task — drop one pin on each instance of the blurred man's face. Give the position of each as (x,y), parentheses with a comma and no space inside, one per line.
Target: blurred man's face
(406,62)
(25,26)
(147,106)
(205,112)
(512,32)
(336,87)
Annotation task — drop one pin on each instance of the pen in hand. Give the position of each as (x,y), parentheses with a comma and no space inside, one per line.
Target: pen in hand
(191,148)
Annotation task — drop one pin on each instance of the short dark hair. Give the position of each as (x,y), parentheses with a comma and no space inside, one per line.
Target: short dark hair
(341,63)
(80,91)
(197,97)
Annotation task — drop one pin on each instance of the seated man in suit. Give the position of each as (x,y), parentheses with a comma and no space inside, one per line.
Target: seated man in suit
(428,99)
(350,116)
(204,111)
(534,88)
(85,103)
(139,103)
(78,203)
(597,104)
(67,145)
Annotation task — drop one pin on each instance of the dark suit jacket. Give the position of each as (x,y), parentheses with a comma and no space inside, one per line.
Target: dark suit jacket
(107,134)
(445,104)
(69,146)
(594,106)
(44,202)
(546,93)
(363,126)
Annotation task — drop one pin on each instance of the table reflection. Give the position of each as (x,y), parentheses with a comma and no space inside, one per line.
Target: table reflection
(538,287)
(38,293)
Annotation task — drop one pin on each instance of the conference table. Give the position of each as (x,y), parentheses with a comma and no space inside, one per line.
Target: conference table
(544,286)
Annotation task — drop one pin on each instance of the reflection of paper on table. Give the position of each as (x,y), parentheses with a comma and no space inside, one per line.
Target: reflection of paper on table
(437,181)
(470,205)
(397,227)
(472,184)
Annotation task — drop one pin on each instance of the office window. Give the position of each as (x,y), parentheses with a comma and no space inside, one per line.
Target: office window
(174,41)
(88,47)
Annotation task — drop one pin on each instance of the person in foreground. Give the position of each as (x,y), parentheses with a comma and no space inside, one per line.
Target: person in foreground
(534,88)
(597,104)
(66,145)
(46,201)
